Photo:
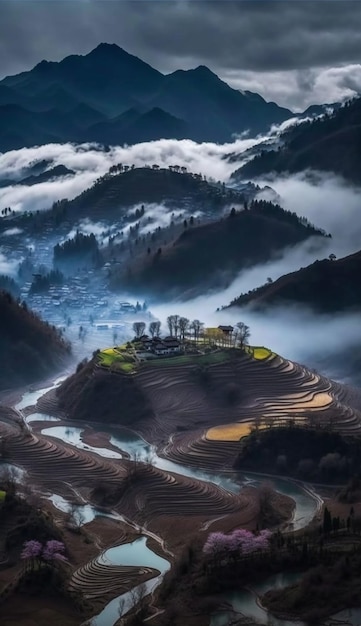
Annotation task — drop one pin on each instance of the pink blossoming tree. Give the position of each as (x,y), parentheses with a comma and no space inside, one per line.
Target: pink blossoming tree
(35,552)
(31,552)
(53,551)
(237,543)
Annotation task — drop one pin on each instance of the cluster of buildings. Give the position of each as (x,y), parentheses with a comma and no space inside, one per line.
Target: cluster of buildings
(170,345)
(161,347)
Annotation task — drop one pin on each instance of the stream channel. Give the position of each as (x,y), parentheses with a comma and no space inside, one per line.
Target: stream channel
(137,552)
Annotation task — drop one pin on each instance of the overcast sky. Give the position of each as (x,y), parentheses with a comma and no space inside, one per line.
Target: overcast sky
(296,52)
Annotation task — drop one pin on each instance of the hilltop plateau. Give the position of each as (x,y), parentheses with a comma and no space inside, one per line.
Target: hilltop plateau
(205,400)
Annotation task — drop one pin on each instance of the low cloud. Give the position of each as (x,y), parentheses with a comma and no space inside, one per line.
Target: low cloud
(326,201)
(87,227)
(90,161)
(298,89)
(8,266)
(12,231)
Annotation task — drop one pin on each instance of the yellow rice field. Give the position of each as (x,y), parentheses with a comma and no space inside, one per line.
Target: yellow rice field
(260,353)
(230,432)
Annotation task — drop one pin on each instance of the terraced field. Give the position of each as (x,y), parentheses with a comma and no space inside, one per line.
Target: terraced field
(201,410)
(152,493)
(98,580)
(195,426)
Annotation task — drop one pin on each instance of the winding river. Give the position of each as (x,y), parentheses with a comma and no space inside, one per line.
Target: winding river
(137,553)
(245,602)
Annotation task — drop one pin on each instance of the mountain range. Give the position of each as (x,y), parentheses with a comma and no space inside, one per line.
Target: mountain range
(113,97)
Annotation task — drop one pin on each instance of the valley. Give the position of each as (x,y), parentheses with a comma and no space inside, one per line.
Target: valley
(184,477)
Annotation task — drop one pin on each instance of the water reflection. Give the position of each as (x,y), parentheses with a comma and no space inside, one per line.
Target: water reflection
(138,554)
(41,417)
(72,435)
(30,398)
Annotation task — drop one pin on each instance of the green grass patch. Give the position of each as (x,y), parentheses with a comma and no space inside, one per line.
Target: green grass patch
(117,359)
(2,496)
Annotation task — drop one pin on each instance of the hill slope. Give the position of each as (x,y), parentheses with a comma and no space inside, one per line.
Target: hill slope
(147,185)
(326,286)
(29,347)
(200,406)
(211,255)
(330,144)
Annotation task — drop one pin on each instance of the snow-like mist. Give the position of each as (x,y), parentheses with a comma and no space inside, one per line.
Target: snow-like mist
(89,162)
(7,266)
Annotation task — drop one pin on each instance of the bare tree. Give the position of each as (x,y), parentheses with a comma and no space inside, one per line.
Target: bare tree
(265,492)
(139,328)
(154,329)
(183,326)
(170,324)
(176,319)
(121,607)
(138,599)
(173,325)
(244,334)
(196,326)
(75,517)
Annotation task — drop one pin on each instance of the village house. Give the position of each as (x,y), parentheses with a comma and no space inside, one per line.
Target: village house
(167,347)
(161,347)
(226,330)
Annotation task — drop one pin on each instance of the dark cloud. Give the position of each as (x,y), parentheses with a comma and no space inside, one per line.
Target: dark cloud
(270,36)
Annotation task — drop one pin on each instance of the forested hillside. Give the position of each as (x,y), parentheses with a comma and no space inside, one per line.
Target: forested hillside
(211,255)
(331,144)
(29,347)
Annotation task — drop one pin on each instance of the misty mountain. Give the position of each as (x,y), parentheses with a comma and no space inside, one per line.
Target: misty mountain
(54,172)
(213,110)
(22,128)
(327,286)
(331,144)
(96,89)
(29,175)
(108,79)
(211,255)
(29,347)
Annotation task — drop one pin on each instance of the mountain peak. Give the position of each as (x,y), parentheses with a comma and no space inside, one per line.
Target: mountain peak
(107,48)
(203,69)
